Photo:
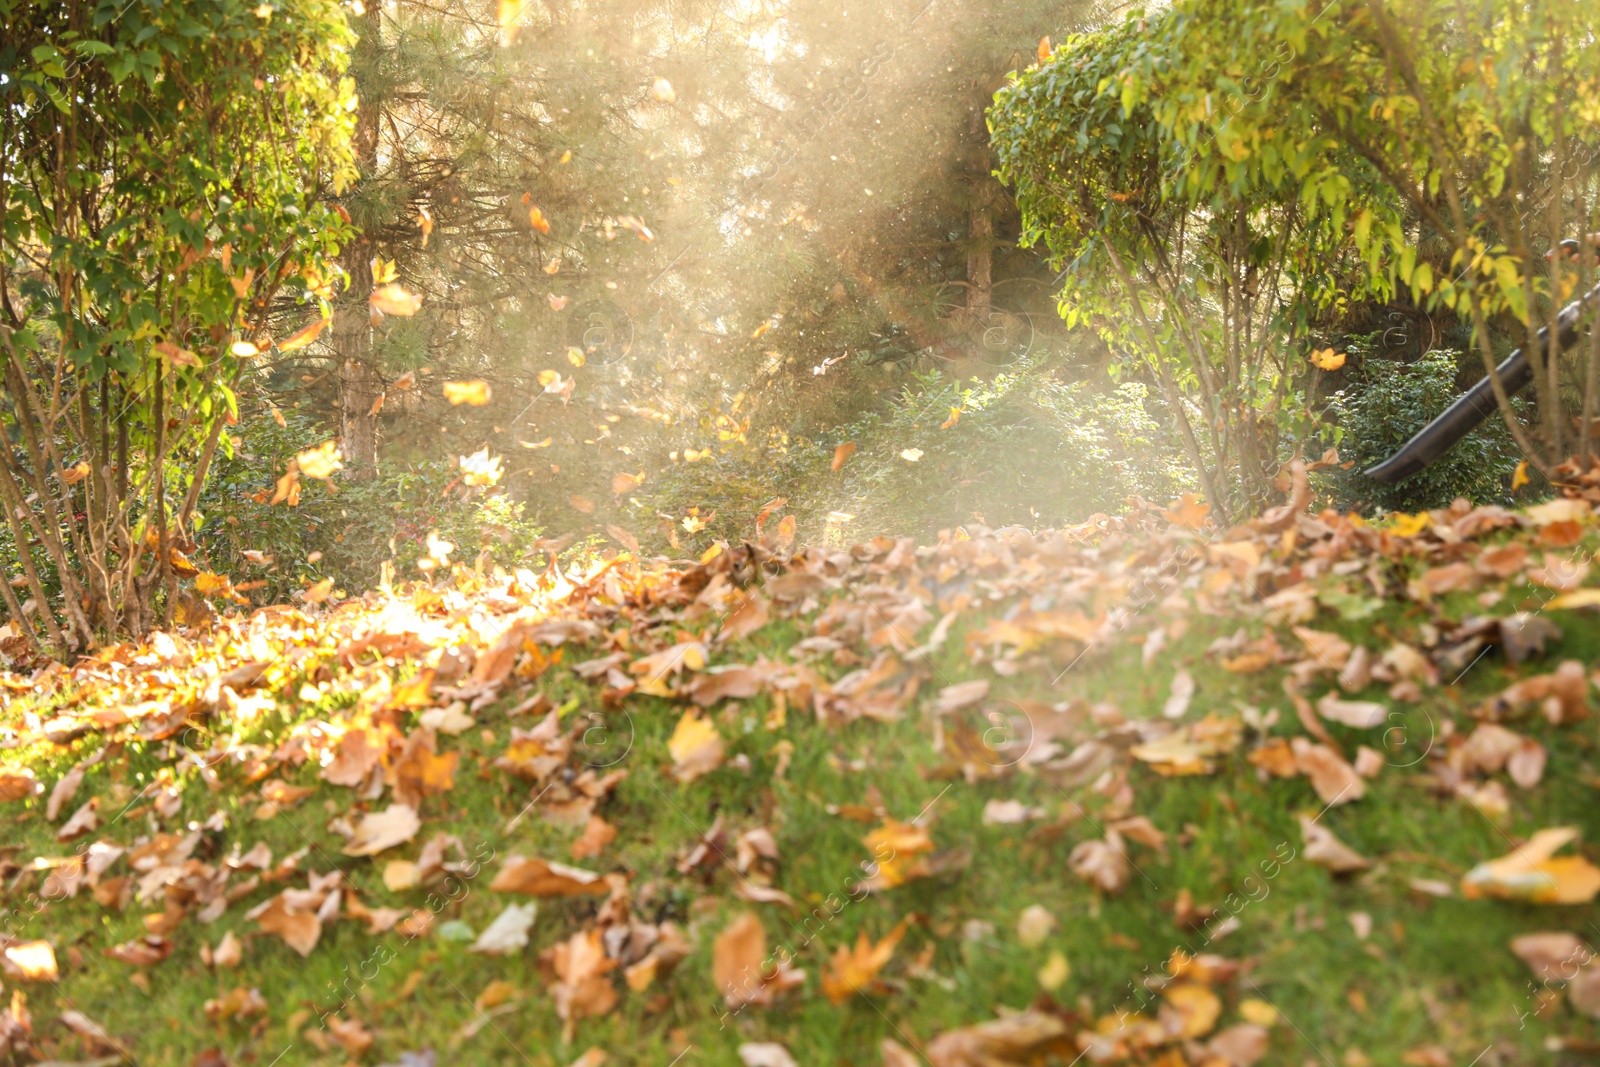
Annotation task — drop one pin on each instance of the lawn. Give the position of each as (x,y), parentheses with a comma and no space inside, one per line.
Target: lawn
(954,753)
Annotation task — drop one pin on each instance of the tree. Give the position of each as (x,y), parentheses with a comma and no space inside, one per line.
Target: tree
(1480,121)
(161,167)
(1213,285)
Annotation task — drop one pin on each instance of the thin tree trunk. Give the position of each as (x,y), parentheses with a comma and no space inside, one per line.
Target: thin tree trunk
(359,382)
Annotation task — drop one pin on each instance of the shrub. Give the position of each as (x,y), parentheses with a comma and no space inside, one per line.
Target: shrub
(1386,403)
(343,530)
(1024,449)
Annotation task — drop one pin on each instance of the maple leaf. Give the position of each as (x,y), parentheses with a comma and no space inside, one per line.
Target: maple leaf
(852,970)
(1187,511)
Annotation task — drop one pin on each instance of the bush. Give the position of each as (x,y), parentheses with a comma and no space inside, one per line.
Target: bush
(1384,406)
(1024,449)
(342,530)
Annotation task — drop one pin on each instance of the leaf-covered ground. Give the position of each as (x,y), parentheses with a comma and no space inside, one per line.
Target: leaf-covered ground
(1144,791)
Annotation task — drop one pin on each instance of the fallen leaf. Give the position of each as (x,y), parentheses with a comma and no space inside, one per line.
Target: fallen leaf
(1532,872)
(376,831)
(696,746)
(546,878)
(851,970)
(1327,851)
(509,931)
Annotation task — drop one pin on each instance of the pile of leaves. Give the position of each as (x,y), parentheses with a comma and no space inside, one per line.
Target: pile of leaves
(204,806)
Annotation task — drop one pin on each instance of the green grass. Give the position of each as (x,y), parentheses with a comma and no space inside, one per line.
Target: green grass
(1432,971)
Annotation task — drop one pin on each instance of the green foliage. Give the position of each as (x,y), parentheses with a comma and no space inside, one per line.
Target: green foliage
(349,531)
(1211,286)
(163,169)
(1388,402)
(1479,121)
(1025,449)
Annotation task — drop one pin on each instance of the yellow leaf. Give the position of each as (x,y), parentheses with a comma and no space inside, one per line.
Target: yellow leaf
(510,14)
(392,299)
(1533,872)
(696,746)
(537,220)
(1520,478)
(480,468)
(911,455)
(1327,359)
(474,393)
(955,413)
(662,90)
(320,462)
(1045,48)
(1410,525)
(1578,598)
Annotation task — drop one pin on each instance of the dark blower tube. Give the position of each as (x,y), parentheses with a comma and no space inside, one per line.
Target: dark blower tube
(1477,403)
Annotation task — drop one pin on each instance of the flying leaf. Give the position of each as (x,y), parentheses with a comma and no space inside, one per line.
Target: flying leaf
(911,455)
(537,220)
(662,90)
(392,299)
(510,14)
(1187,511)
(1327,359)
(473,393)
(481,469)
(842,453)
(304,336)
(320,462)
(1044,49)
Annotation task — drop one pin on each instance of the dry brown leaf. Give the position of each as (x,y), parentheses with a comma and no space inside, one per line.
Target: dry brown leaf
(544,878)
(376,831)
(1324,849)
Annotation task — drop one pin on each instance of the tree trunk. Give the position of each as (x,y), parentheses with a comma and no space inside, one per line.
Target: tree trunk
(980,233)
(359,382)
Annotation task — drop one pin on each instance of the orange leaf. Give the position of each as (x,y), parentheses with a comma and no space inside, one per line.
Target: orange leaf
(842,453)
(853,969)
